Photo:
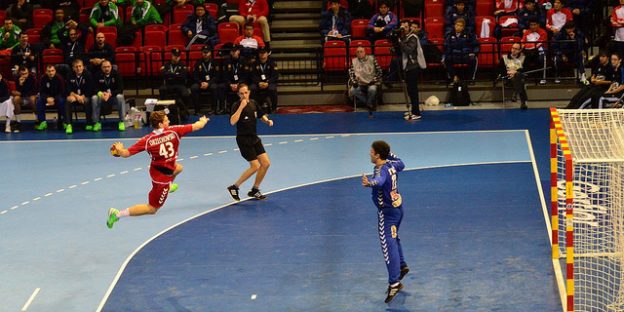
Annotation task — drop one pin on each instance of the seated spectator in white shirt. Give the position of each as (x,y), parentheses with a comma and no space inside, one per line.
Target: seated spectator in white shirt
(250,43)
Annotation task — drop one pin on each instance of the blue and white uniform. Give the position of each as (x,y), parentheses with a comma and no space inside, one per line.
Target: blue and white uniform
(386,197)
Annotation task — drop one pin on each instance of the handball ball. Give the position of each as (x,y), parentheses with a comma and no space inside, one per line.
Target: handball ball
(113,151)
(432,101)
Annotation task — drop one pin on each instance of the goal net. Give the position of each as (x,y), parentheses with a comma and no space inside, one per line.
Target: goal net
(587,208)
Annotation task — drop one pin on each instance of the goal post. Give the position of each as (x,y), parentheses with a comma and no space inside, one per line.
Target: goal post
(587,206)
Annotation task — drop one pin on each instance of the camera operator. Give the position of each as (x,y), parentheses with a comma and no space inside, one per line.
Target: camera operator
(411,60)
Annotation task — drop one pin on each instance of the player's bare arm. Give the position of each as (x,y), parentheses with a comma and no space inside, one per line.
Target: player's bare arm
(203,120)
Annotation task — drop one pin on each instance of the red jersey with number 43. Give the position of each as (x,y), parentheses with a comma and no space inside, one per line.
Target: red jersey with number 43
(162,145)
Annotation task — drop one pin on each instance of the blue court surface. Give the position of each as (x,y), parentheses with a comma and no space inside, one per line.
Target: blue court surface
(474,232)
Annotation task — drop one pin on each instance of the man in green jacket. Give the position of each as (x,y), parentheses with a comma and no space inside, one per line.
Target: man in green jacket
(9,35)
(104,13)
(144,13)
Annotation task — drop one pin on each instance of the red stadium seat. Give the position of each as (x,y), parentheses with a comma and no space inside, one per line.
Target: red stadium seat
(227,32)
(487,57)
(175,35)
(358,28)
(434,26)
(107,29)
(111,38)
(156,27)
(506,43)
(216,53)
(41,17)
(155,38)
(180,14)
(138,39)
(383,53)
(359,43)
(484,7)
(479,25)
(334,56)
(53,59)
(168,49)
(126,60)
(89,3)
(508,31)
(434,8)
(2,16)
(439,43)
(213,9)
(34,35)
(150,60)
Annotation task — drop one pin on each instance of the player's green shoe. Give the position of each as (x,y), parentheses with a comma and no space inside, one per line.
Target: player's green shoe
(121,126)
(42,126)
(173,187)
(69,129)
(112,217)
(89,127)
(97,127)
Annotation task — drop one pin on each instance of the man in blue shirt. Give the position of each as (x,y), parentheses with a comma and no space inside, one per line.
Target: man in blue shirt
(386,197)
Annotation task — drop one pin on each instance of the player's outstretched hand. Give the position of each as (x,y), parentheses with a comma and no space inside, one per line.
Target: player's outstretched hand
(115,148)
(270,123)
(365,180)
(200,123)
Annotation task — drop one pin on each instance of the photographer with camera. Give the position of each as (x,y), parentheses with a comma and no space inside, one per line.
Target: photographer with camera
(364,78)
(412,59)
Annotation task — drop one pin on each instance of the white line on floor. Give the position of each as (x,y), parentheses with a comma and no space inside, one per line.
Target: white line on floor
(124,172)
(221,152)
(25,203)
(137,169)
(85,183)
(14,207)
(97,179)
(4,211)
(110,175)
(30,300)
(36,198)
(193,157)
(49,194)
(72,186)
(207,154)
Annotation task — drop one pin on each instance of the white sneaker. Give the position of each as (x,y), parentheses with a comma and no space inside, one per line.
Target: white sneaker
(542,82)
(557,81)
(412,117)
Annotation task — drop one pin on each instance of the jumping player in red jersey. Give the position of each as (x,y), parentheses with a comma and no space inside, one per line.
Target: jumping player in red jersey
(162,145)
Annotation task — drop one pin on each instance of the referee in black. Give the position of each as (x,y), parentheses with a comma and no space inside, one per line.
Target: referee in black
(244,115)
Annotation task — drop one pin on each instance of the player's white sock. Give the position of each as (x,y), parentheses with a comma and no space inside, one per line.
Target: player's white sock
(123,213)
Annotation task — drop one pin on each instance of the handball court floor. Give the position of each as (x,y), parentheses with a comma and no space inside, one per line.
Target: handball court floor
(474,233)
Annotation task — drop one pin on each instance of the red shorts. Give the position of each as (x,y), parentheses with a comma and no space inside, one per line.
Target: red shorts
(160,188)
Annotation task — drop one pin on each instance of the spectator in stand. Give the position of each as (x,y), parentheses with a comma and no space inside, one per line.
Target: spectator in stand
(461,47)
(381,24)
(581,11)
(506,7)
(99,52)
(9,35)
(24,94)
(49,33)
(104,13)
(616,89)
(459,10)
(264,76)
(52,95)
(254,11)
(569,46)
(336,23)
(249,42)
(23,55)
(21,14)
(600,80)
(534,40)
(511,68)
(144,13)
(557,17)
(201,24)
(73,37)
(109,93)
(6,104)
(235,71)
(175,76)
(530,11)
(70,8)
(207,81)
(617,22)
(365,77)
(80,88)
(360,9)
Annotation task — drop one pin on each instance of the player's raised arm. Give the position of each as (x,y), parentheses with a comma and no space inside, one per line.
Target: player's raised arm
(203,120)
(396,162)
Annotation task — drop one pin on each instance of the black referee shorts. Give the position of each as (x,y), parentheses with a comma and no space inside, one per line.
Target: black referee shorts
(250,147)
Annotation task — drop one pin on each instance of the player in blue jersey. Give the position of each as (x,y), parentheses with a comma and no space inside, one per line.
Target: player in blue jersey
(389,212)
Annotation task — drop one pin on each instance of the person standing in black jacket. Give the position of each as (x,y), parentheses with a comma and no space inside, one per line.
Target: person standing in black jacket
(80,88)
(412,60)
(207,81)
(72,37)
(109,93)
(51,94)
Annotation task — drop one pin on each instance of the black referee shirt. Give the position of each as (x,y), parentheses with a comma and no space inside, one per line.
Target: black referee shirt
(246,125)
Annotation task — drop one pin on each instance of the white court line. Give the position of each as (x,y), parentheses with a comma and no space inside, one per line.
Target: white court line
(36,198)
(25,203)
(110,175)
(556,264)
(85,182)
(124,172)
(125,263)
(193,157)
(30,300)
(221,152)
(236,149)
(330,137)
(60,190)
(283,142)
(314,139)
(3,212)
(268,144)
(207,154)
(137,169)
(298,141)
(97,179)
(180,159)
(72,186)
(14,207)
(46,195)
